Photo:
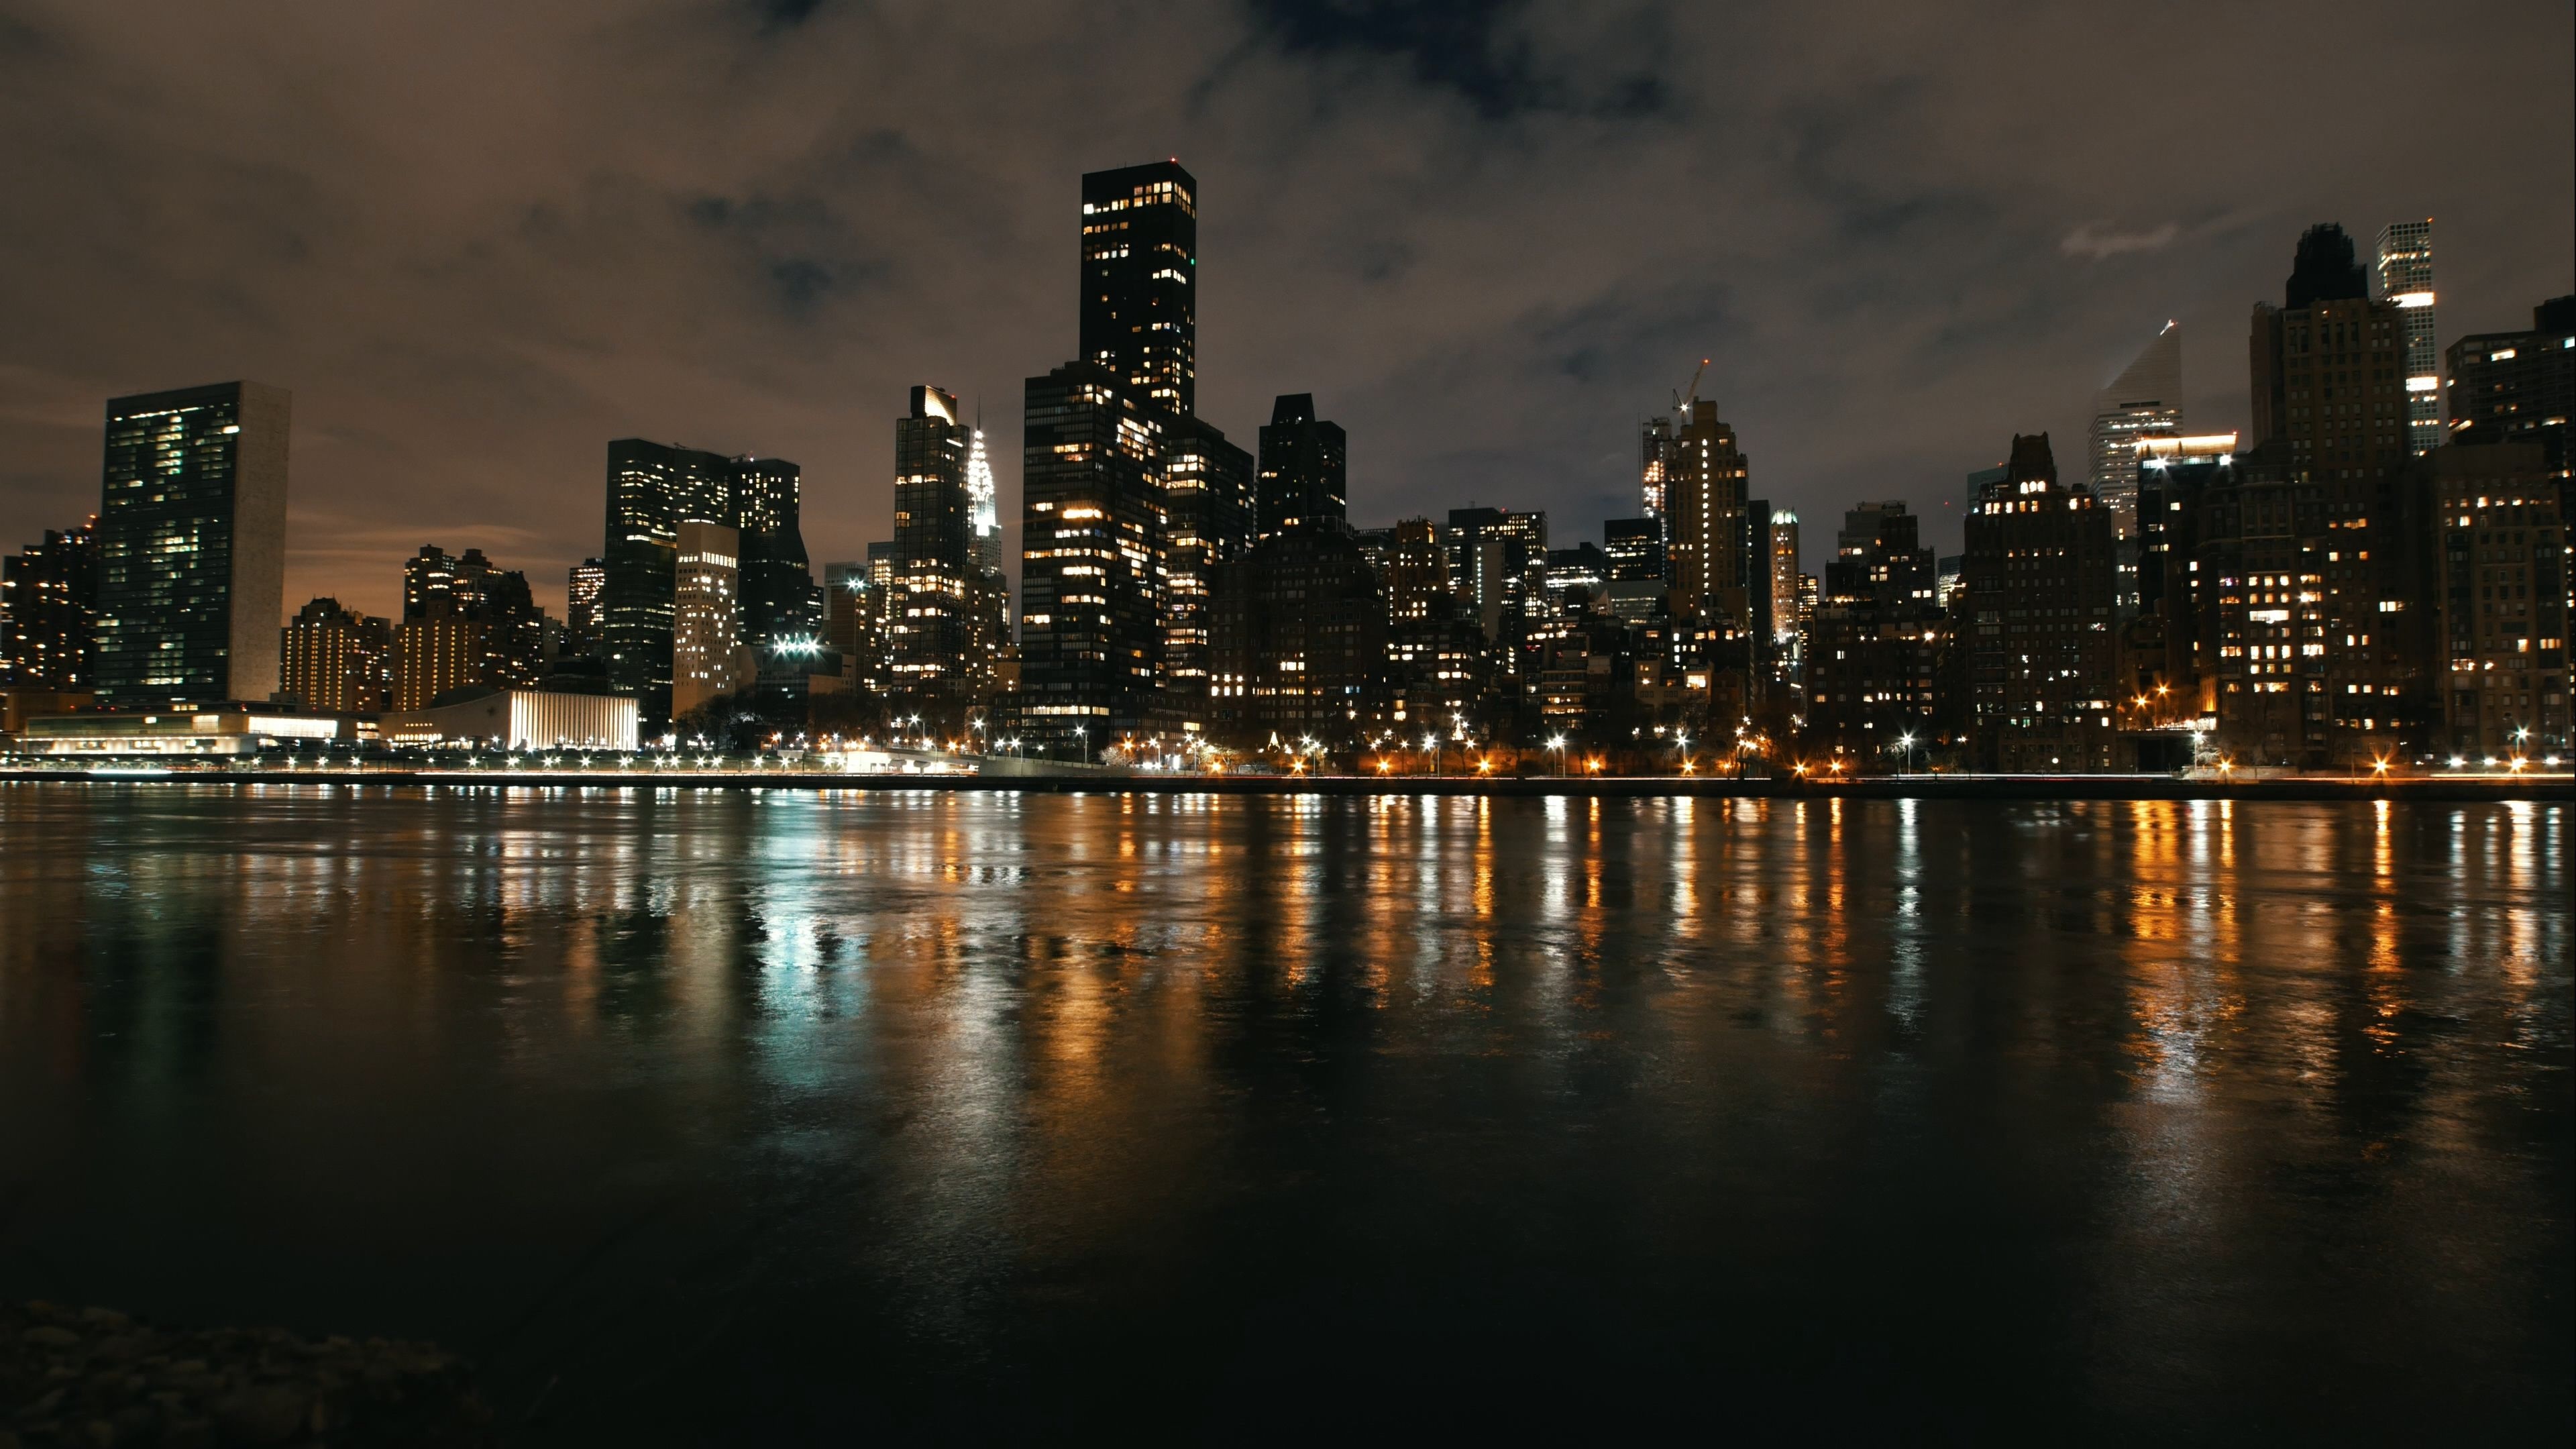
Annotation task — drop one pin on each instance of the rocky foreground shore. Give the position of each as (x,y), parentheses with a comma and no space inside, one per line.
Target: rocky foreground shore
(89,1376)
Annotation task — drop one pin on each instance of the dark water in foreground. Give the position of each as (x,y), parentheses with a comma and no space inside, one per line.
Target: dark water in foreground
(719,1116)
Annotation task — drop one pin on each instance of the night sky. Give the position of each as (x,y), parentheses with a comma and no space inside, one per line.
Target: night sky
(1488,238)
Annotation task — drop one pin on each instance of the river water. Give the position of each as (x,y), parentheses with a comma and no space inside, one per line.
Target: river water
(721,1115)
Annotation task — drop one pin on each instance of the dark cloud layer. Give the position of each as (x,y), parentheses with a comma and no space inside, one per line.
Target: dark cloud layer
(478,241)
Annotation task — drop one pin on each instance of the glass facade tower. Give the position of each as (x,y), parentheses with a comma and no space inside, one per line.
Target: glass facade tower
(2406,278)
(192,545)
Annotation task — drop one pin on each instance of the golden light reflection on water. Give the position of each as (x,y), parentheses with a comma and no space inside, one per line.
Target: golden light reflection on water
(1045,1024)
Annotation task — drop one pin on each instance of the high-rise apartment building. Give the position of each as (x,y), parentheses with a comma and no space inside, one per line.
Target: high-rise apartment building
(2330,416)
(439,651)
(1091,524)
(1139,314)
(1704,500)
(1878,559)
(2406,280)
(2519,387)
(2037,624)
(1305,468)
(2145,399)
(2503,596)
(335,659)
(710,654)
(49,613)
(192,545)
(511,630)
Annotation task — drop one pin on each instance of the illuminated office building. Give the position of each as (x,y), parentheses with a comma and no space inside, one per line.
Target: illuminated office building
(710,656)
(2406,280)
(2146,398)
(1091,520)
(192,545)
(653,488)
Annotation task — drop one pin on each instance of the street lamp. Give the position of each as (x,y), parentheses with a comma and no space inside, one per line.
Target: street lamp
(1556,745)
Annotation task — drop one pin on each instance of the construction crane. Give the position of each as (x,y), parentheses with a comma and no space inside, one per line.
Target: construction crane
(1683,400)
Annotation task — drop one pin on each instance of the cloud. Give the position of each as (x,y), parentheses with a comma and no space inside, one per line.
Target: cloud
(2096,240)
(1487,235)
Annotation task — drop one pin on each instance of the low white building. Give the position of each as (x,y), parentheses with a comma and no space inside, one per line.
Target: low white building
(520,719)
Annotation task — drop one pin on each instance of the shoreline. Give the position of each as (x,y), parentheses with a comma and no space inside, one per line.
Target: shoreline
(2475,789)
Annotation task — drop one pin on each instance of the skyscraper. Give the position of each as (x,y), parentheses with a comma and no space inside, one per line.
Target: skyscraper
(2038,619)
(934,546)
(509,629)
(710,656)
(1208,524)
(1657,453)
(1705,494)
(1873,649)
(1090,524)
(335,659)
(192,545)
(582,587)
(49,613)
(1140,247)
(1878,559)
(1783,563)
(2328,375)
(777,579)
(1305,467)
(2519,387)
(2146,398)
(653,489)
(2406,279)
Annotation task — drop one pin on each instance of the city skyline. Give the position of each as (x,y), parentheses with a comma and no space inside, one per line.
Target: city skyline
(1959,310)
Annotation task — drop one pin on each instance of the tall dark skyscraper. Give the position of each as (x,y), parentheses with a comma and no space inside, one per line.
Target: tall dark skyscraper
(1305,467)
(2330,412)
(777,579)
(1140,281)
(1091,521)
(192,545)
(934,541)
(2041,586)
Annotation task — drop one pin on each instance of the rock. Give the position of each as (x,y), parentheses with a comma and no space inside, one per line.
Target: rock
(45,1335)
(104,1317)
(267,1414)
